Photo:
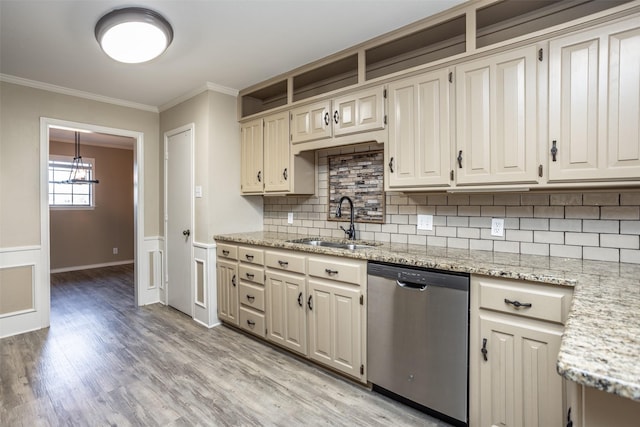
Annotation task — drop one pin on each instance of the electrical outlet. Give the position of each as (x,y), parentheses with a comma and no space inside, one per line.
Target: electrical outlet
(115,251)
(290,218)
(425,222)
(497,227)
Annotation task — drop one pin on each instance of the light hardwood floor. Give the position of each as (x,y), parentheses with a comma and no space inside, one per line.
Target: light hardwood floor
(106,362)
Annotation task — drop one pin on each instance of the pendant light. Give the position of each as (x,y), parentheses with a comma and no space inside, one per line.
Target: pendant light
(80,173)
(133,34)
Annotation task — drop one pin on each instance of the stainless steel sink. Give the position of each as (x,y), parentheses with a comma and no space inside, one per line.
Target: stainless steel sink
(330,244)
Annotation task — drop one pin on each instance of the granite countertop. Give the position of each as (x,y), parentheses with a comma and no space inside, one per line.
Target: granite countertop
(600,346)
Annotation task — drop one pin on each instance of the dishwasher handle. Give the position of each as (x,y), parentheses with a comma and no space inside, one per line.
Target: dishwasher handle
(411,286)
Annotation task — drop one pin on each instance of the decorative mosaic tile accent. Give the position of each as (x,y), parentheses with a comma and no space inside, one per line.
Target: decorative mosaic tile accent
(360,176)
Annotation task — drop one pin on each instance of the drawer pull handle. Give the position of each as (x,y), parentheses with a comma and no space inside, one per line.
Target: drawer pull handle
(225,252)
(251,323)
(330,272)
(283,263)
(517,304)
(300,299)
(250,297)
(250,275)
(233,280)
(484,350)
(309,302)
(249,257)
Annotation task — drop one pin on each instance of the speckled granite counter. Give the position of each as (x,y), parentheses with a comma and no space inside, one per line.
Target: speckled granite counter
(601,344)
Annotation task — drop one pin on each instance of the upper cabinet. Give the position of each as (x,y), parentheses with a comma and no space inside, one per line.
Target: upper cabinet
(594,104)
(267,163)
(496,119)
(419,150)
(341,117)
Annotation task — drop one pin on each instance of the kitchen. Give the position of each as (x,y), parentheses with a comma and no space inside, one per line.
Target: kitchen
(555,223)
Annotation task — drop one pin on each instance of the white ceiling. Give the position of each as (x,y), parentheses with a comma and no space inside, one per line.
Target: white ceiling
(230,43)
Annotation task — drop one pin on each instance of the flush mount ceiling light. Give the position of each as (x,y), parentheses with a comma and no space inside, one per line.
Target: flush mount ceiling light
(133,34)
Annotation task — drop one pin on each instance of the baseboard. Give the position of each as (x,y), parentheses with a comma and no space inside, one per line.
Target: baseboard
(89,267)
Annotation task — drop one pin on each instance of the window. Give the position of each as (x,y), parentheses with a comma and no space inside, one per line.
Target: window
(66,195)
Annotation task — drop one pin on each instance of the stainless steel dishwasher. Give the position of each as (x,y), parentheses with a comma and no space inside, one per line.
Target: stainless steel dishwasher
(418,337)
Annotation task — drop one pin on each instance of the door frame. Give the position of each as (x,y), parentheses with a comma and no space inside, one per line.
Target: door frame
(164,286)
(140,290)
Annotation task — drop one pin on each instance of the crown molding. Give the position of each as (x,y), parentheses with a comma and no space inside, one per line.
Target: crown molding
(197,91)
(77,93)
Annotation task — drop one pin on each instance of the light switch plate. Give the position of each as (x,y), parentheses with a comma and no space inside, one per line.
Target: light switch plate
(198,191)
(290,218)
(425,222)
(497,227)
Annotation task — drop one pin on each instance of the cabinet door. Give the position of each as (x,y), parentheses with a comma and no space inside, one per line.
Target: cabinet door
(285,311)
(419,149)
(359,112)
(335,326)
(496,103)
(519,385)
(227,284)
(594,104)
(311,122)
(277,154)
(251,175)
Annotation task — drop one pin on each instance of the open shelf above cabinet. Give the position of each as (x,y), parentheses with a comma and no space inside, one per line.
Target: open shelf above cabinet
(430,44)
(326,78)
(507,19)
(266,98)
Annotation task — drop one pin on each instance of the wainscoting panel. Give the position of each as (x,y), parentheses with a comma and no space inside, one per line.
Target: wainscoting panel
(24,290)
(150,284)
(206,303)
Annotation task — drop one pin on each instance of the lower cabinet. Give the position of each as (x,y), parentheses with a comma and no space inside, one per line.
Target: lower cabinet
(227,283)
(515,333)
(335,324)
(285,309)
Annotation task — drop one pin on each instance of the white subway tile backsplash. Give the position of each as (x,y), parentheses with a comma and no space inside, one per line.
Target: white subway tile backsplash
(601,254)
(534,248)
(619,241)
(602,225)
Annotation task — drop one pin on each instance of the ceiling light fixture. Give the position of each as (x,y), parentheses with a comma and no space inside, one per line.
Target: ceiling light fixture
(133,34)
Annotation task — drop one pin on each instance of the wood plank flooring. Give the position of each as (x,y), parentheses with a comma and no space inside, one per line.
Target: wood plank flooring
(106,362)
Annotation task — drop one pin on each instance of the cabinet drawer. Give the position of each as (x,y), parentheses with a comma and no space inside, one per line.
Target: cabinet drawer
(251,255)
(285,261)
(227,251)
(547,302)
(338,269)
(252,274)
(251,295)
(252,321)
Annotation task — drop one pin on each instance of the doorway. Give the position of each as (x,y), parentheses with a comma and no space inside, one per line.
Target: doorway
(142,294)
(179,200)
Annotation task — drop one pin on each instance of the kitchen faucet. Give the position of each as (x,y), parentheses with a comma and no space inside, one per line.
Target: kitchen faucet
(351,232)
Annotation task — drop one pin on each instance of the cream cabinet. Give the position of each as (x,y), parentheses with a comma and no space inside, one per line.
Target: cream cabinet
(515,333)
(357,112)
(496,119)
(286,300)
(267,163)
(418,153)
(594,104)
(227,283)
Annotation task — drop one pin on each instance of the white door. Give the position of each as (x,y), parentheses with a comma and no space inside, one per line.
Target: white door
(178,221)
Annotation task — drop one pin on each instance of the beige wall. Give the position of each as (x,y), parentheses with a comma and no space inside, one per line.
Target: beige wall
(217,165)
(21,108)
(87,237)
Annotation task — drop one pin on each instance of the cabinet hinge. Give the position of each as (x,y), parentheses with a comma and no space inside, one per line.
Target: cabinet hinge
(290,137)
(540,170)
(450,77)
(451,175)
(540,55)
(385,119)
(361,369)
(384,93)
(361,299)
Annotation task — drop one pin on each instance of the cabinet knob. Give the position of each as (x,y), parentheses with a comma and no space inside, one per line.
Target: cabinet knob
(285,174)
(259,176)
(251,323)
(250,298)
(326,118)
(336,117)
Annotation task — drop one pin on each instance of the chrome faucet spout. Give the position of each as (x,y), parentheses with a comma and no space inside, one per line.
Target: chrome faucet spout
(351,232)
